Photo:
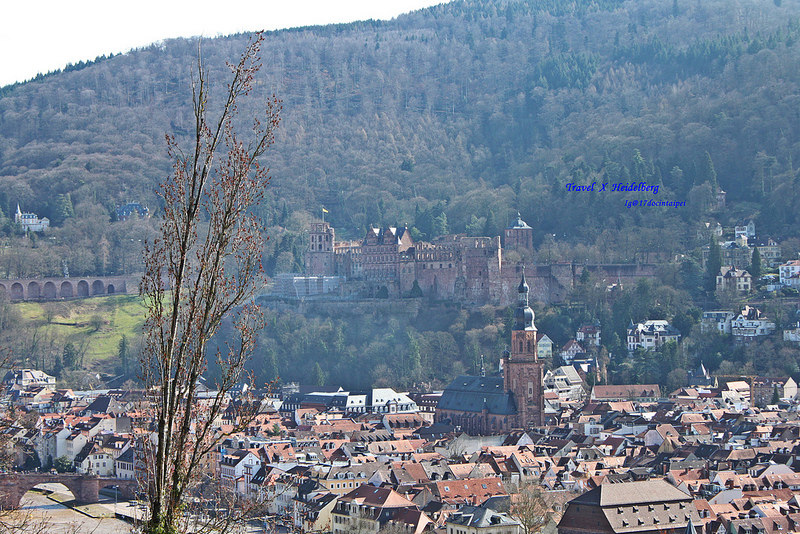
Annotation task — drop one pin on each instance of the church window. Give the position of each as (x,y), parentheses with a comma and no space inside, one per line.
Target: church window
(520,346)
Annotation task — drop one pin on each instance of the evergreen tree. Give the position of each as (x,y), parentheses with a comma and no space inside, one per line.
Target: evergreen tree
(713,265)
(62,209)
(708,174)
(70,356)
(318,375)
(440,225)
(490,227)
(123,354)
(58,367)
(755,265)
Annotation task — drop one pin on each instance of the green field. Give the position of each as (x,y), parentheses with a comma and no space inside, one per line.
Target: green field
(98,322)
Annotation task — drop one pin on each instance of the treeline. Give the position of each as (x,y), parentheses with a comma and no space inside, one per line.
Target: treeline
(467,111)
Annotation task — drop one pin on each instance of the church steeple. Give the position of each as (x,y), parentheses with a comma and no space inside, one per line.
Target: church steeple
(522,369)
(523,316)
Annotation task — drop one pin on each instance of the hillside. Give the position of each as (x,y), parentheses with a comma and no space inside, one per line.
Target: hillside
(448,119)
(39,334)
(471,109)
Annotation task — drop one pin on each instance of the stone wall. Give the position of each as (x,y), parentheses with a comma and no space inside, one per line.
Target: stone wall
(67,288)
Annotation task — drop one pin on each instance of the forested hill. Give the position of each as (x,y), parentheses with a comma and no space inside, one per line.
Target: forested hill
(474,109)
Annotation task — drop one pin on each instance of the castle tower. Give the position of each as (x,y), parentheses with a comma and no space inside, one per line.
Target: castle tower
(519,236)
(523,371)
(319,260)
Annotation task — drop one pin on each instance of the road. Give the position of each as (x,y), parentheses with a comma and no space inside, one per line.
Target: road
(63,520)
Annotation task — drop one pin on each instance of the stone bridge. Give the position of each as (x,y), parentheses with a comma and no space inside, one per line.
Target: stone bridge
(66,288)
(85,488)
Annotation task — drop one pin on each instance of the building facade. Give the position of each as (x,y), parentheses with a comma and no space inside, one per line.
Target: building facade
(30,221)
(493,404)
(650,335)
(387,261)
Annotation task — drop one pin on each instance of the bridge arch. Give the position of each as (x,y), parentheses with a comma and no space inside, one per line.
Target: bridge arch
(111,289)
(17,291)
(84,487)
(34,290)
(2,288)
(49,290)
(66,290)
(98,288)
(83,288)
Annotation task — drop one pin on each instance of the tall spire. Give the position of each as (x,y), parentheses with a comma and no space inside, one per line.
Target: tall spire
(523,316)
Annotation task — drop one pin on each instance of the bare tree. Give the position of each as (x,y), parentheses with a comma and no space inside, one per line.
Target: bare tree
(203,267)
(532,507)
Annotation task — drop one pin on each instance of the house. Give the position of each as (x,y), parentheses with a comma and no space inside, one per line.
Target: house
(589,335)
(312,511)
(770,252)
(731,278)
(31,221)
(480,520)
(570,351)
(369,508)
(635,392)
(123,465)
(24,378)
(639,507)
(544,345)
(237,467)
(749,324)
(717,321)
(651,335)
(94,460)
(565,382)
(745,228)
(764,389)
(125,212)
(792,334)
(789,273)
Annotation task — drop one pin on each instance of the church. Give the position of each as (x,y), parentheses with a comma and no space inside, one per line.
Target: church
(482,405)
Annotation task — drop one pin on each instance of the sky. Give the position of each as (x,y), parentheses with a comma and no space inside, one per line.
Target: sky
(44,35)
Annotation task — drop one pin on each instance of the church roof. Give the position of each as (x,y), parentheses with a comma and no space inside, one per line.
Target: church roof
(471,393)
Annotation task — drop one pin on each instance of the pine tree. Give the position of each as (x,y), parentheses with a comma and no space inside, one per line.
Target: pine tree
(319,375)
(713,265)
(70,356)
(123,354)
(708,174)
(755,265)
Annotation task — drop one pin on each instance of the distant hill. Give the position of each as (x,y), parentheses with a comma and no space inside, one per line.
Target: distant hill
(474,109)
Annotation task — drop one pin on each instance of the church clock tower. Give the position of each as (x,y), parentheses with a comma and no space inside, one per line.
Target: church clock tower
(523,371)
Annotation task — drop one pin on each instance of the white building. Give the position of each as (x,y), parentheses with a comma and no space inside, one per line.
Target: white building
(792,334)
(745,229)
(751,323)
(31,221)
(565,382)
(651,335)
(717,321)
(237,467)
(28,377)
(789,273)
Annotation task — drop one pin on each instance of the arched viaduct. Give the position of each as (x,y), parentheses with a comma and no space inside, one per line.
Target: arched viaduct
(65,288)
(85,488)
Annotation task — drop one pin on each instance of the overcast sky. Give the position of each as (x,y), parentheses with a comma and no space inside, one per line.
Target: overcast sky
(44,35)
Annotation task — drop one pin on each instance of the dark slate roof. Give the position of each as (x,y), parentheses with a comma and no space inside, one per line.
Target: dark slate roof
(471,393)
(478,517)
